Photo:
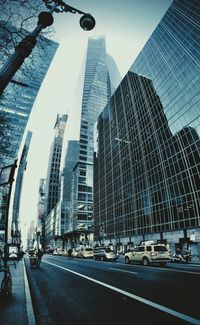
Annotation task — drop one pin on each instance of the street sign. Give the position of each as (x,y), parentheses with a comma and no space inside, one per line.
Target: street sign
(6,174)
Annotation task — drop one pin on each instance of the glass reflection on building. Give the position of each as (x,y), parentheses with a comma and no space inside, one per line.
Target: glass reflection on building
(147,161)
(101,78)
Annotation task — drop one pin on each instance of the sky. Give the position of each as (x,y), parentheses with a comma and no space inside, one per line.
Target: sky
(126,25)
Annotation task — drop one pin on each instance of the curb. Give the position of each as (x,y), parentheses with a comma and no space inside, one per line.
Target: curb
(29,305)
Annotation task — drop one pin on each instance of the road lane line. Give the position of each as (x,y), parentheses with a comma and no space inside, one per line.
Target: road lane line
(29,305)
(193,265)
(130,295)
(162,269)
(112,268)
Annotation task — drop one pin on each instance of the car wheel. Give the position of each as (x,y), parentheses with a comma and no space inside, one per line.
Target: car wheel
(145,261)
(127,261)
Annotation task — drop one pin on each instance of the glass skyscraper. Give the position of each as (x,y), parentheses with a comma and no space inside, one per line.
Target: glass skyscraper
(100,80)
(147,162)
(71,158)
(17,102)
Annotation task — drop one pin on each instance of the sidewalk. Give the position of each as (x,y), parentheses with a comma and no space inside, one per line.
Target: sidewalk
(17,309)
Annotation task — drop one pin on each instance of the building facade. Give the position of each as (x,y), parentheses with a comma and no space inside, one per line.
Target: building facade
(147,162)
(100,80)
(53,173)
(19,96)
(41,213)
(71,158)
(18,99)
(53,179)
(18,186)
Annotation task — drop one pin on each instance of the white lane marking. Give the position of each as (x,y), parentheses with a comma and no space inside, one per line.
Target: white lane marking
(112,268)
(138,298)
(29,305)
(193,265)
(162,269)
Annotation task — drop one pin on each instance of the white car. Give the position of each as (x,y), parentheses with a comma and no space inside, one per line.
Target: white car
(74,252)
(148,254)
(85,252)
(104,254)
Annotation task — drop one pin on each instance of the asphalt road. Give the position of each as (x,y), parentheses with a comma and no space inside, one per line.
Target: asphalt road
(74,291)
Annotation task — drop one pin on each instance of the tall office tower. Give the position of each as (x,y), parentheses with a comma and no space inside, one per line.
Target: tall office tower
(147,165)
(71,158)
(17,101)
(31,235)
(19,182)
(101,78)
(53,174)
(18,98)
(41,211)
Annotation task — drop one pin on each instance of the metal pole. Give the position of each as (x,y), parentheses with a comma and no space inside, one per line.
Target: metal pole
(24,49)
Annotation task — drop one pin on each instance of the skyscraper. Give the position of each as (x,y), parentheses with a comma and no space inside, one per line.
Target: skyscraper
(100,80)
(52,193)
(52,219)
(71,158)
(41,213)
(19,181)
(17,101)
(147,160)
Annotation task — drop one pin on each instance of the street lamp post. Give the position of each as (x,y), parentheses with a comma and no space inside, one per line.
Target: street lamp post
(25,47)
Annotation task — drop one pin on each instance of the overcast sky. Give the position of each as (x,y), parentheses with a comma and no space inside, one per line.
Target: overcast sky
(127,25)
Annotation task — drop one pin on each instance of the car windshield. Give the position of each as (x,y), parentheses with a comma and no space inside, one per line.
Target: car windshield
(160,249)
(89,249)
(108,250)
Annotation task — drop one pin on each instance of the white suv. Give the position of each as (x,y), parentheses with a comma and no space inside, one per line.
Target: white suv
(149,253)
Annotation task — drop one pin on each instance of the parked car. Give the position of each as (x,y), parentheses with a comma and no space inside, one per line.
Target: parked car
(148,253)
(13,256)
(13,251)
(104,254)
(85,252)
(58,252)
(74,252)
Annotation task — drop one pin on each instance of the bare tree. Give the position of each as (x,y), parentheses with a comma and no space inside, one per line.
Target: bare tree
(18,18)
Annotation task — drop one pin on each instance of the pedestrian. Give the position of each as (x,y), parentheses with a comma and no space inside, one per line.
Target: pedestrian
(70,252)
(1,258)
(39,256)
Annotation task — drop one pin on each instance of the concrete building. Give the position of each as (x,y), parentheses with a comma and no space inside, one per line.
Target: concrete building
(18,187)
(53,179)
(41,213)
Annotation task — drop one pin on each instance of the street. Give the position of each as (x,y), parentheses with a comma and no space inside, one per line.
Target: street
(75,291)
